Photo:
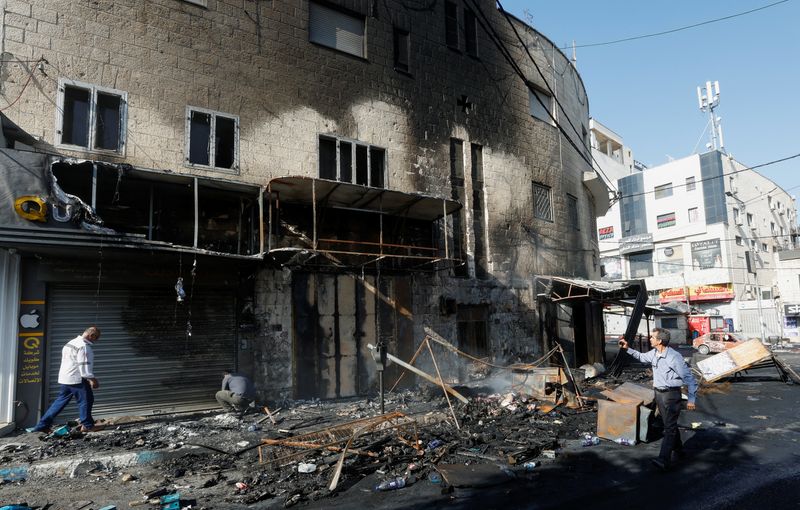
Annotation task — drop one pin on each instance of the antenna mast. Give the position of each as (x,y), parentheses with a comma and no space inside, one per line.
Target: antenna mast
(708,100)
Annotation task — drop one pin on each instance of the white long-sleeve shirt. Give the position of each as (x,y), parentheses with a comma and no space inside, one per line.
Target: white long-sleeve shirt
(77,361)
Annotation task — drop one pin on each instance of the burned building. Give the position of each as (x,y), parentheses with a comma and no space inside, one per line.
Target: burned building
(274,186)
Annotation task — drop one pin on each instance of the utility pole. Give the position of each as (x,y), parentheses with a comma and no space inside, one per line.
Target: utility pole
(708,100)
(751,268)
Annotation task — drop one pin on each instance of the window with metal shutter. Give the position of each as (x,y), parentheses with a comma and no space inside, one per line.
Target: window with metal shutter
(145,361)
(336,29)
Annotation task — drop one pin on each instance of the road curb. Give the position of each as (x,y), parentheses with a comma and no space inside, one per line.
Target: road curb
(79,466)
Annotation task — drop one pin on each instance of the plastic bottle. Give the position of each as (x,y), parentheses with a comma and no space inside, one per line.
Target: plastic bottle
(529,466)
(390,485)
(435,478)
(624,441)
(590,440)
(436,443)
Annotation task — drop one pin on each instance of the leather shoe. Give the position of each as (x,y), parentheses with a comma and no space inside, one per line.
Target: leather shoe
(660,463)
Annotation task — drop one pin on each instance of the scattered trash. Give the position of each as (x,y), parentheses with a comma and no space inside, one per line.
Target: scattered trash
(242,486)
(127,477)
(15,507)
(529,466)
(549,454)
(109,507)
(436,443)
(590,440)
(759,417)
(435,478)
(242,444)
(304,467)
(697,424)
(14,474)
(390,485)
(624,441)
(253,428)
(751,398)
(179,290)
(61,431)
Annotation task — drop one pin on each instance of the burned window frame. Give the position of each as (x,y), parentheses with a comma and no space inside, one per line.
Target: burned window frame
(544,110)
(572,212)
(401,40)
(91,137)
(354,158)
(214,114)
(151,206)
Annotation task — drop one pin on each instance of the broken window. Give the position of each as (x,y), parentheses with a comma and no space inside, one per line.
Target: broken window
(402,50)
(336,29)
(478,207)
(572,212)
(151,206)
(541,104)
(542,202)
(212,139)
(470,32)
(459,195)
(473,326)
(90,117)
(351,161)
(451,24)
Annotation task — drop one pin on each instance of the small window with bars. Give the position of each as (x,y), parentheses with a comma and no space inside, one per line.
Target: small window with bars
(542,202)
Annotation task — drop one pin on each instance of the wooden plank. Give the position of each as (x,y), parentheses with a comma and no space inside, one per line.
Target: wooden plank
(733,360)
(425,376)
(630,393)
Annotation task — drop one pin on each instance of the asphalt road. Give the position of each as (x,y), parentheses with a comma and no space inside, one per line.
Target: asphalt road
(745,454)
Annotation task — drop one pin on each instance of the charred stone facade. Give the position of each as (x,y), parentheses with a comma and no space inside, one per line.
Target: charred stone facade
(430,91)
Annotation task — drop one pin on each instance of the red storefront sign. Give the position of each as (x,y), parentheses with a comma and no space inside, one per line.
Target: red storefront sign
(718,292)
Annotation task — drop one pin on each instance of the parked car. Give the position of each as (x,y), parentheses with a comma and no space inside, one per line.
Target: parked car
(716,341)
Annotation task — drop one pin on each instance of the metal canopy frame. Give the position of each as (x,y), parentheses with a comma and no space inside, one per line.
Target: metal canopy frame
(323,193)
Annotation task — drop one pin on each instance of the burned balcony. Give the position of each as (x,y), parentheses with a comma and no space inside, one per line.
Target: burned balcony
(155,208)
(321,223)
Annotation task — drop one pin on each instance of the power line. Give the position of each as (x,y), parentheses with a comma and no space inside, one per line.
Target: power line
(504,51)
(553,94)
(675,264)
(721,175)
(679,29)
(743,238)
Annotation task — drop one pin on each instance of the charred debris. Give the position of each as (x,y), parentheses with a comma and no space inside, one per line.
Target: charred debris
(511,419)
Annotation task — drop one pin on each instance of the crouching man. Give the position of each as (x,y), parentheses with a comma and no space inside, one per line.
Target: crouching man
(236,394)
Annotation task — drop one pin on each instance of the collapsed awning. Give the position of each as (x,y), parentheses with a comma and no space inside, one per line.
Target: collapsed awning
(341,195)
(557,288)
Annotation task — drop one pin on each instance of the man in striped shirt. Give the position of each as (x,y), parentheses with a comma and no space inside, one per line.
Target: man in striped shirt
(76,377)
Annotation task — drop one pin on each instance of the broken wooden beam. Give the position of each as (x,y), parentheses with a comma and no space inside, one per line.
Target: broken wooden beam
(424,375)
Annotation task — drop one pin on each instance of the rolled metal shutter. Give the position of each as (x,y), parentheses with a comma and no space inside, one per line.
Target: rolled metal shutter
(145,360)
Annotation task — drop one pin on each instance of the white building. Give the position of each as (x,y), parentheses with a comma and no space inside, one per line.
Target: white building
(686,226)
(789,286)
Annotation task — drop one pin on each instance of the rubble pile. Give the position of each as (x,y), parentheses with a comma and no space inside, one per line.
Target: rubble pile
(215,458)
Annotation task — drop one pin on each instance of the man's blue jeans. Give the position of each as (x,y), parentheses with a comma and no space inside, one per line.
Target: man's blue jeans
(81,391)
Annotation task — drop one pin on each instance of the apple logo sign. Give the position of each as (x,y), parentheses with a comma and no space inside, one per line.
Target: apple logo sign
(30,319)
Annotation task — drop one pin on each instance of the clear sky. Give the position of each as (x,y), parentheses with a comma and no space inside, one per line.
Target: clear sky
(646,90)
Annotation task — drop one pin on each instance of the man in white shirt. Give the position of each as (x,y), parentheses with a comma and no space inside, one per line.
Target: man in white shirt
(76,377)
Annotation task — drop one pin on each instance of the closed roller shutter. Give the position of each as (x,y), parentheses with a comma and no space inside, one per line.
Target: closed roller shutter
(144,360)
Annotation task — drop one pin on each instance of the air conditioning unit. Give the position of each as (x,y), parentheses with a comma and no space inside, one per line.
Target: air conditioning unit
(782,211)
(753,227)
(773,206)
(739,223)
